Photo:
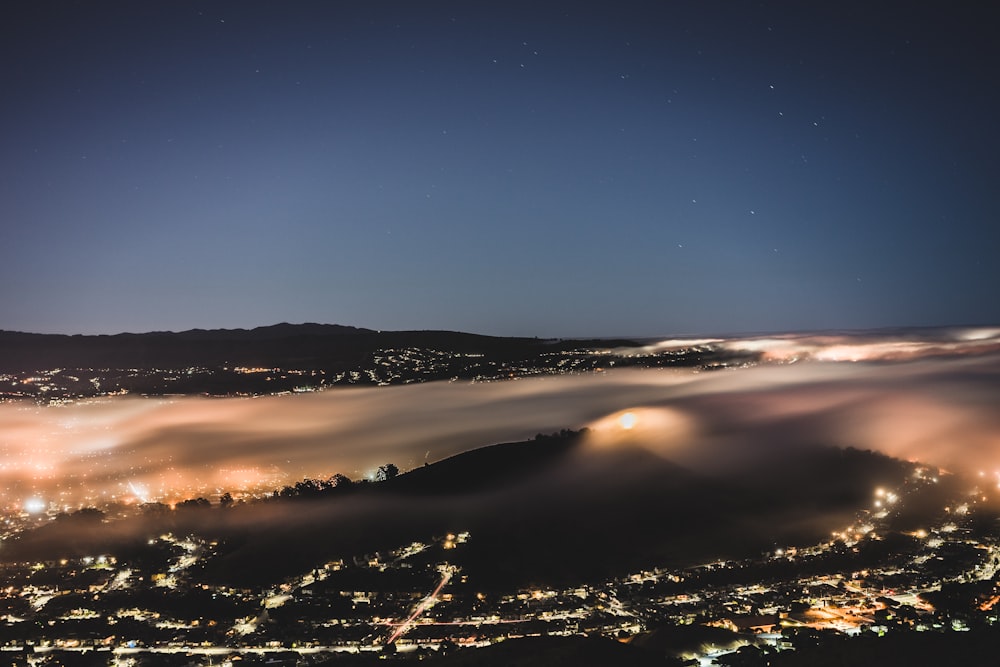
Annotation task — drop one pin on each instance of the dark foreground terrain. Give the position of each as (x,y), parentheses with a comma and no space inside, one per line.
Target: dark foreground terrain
(551,551)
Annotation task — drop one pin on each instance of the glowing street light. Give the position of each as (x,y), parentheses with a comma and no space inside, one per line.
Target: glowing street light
(34,505)
(628,421)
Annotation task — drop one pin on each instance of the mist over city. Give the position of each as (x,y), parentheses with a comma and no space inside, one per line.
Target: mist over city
(567,333)
(931,400)
(730,497)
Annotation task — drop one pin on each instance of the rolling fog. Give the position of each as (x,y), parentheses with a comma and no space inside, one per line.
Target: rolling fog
(937,402)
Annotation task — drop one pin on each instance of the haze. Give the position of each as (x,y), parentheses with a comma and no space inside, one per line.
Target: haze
(937,409)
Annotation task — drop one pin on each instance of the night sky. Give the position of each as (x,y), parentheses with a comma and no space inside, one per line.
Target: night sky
(569,169)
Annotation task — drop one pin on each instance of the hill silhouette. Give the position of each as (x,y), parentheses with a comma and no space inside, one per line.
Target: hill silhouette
(486,467)
(306,346)
(285,358)
(554,510)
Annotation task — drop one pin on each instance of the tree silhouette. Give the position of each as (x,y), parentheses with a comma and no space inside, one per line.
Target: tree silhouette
(339,481)
(387,471)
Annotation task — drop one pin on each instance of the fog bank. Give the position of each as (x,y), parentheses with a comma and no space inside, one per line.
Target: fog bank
(937,409)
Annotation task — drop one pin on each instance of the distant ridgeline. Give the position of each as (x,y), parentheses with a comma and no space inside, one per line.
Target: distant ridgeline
(300,357)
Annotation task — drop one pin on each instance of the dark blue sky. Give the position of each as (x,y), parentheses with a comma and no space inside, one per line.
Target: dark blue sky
(573,169)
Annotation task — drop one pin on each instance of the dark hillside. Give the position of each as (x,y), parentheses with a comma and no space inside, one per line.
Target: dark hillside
(552,510)
(487,467)
(305,346)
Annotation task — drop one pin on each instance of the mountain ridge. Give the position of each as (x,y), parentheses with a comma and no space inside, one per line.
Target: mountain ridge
(286,345)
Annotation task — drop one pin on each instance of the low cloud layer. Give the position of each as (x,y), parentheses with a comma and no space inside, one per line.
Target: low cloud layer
(936,403)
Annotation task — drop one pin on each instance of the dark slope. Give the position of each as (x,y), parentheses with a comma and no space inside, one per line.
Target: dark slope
(484,468)
(305,346)
(555,510)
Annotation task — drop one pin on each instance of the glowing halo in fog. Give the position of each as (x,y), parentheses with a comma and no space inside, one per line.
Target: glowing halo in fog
(941,411)
(661,429)
(34,505)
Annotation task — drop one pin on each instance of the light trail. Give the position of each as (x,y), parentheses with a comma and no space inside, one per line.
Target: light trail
(139,492)
(424,605)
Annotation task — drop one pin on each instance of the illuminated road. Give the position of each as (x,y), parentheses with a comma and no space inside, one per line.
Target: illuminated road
(425,604)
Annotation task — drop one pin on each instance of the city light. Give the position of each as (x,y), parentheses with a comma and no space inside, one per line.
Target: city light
(628,421)
(34,505)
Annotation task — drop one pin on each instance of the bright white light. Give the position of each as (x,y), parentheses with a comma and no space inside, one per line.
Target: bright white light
(34,505)
(628,421)
(139,491)
(979,334)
